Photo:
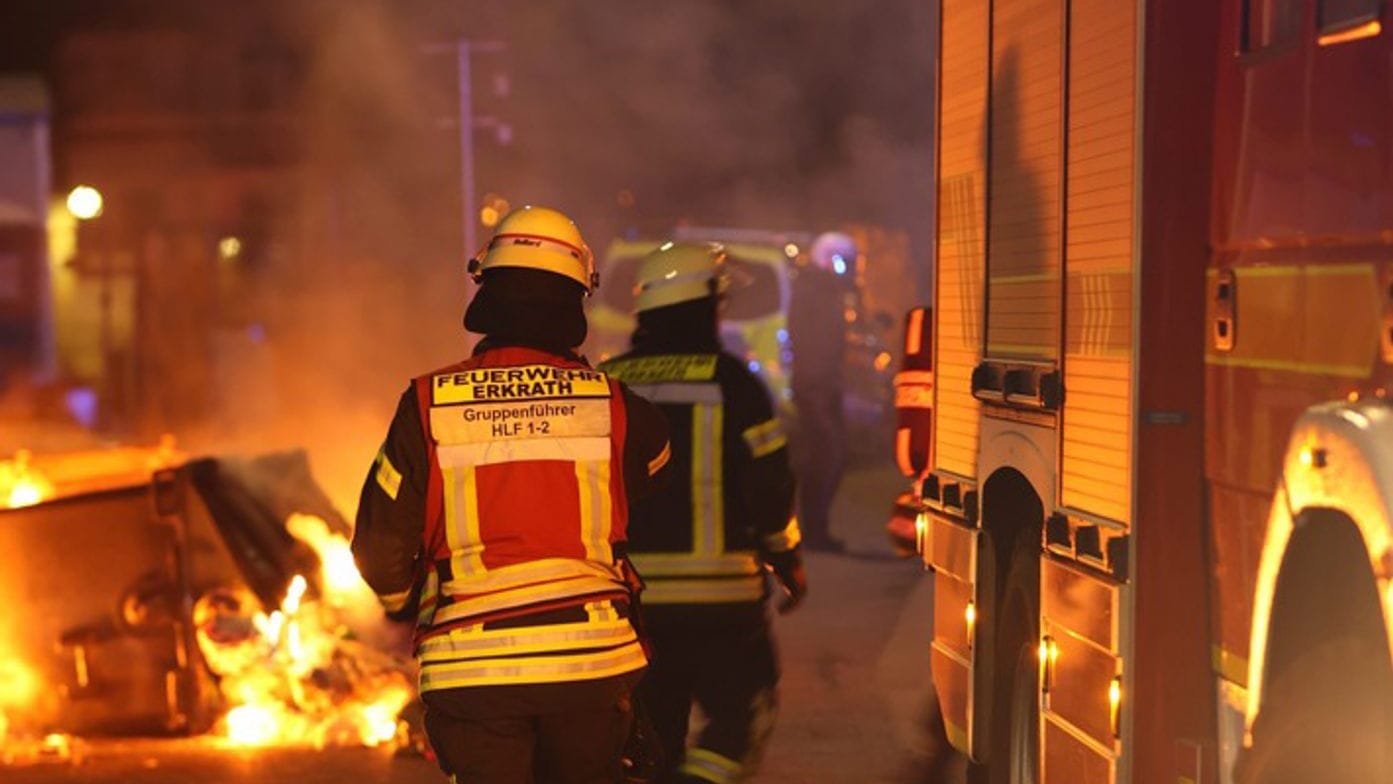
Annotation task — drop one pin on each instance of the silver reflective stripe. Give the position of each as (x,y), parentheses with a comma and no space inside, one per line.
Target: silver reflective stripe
(518,585)
(532,669)
(495,452)
(523,596)
(592,485)
(528,573)
(680,392)
(477,643)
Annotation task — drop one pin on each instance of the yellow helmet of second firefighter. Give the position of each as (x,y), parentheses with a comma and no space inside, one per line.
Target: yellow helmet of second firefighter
(677,272)
(538,238)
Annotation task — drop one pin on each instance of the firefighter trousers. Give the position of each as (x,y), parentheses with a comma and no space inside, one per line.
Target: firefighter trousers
(547,733)
(730,673)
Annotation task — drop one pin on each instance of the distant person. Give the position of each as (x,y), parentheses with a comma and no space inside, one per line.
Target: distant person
(704,542)
(817,332)
(495,513)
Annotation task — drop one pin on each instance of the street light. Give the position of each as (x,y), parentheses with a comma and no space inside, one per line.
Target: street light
(85,202)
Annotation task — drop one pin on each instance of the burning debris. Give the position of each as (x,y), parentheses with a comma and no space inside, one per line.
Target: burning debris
(54,748)
(295,676)
(213,608)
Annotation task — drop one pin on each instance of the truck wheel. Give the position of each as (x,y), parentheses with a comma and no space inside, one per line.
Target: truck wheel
(1327,717)
(1012,756)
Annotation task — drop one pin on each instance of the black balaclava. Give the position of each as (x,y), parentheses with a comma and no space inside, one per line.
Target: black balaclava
(527,307)
(686,326)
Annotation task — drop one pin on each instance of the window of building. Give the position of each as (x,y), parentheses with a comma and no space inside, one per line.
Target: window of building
(1269,23)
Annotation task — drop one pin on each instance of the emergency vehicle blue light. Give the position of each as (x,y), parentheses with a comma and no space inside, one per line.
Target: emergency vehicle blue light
(754,366)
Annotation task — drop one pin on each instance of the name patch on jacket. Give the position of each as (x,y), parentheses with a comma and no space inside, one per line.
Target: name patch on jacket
(472,423)
(527,382)
(663,367)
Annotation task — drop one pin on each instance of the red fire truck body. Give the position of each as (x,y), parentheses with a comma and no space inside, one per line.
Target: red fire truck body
(1157,496)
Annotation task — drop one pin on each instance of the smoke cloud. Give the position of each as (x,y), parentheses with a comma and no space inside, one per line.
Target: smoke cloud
(631,116)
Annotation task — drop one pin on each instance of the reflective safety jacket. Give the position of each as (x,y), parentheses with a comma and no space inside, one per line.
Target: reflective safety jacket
(495,508)
(728,504)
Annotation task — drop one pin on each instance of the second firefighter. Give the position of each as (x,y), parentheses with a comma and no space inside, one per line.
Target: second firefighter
(705,543)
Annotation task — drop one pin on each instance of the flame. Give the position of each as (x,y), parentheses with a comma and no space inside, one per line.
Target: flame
(20,484)
(19,687)
(20,690)
(253,725)
(291,675)
(338,571)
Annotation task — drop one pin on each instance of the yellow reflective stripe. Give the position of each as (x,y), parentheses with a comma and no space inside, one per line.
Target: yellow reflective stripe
(533,669)
(765,438)
(663,367)
(700,501)
(520,575)
(770,446)
(585,490)
(465,608)
(392,602)
(605,510)
(786,539)
(688,564)
(476,642)
(708,519)
(711,590)
(718,515)
(592,481)
(709,766)
(462,520)
(656,464)
(388,477)
(430,593)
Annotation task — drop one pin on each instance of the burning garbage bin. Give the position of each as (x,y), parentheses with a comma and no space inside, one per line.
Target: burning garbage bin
(151,594)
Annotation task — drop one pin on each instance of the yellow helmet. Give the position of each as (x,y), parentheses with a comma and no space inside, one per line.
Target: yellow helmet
(677,272)
(538,238)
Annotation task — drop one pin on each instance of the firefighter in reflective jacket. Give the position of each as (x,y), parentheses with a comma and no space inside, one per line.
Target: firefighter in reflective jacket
(495,515)
(703,544)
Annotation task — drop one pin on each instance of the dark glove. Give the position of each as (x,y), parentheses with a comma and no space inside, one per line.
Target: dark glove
(788,570)
(642,758)
(633,581)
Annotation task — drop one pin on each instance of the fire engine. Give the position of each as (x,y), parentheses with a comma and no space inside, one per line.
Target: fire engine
(1146,414)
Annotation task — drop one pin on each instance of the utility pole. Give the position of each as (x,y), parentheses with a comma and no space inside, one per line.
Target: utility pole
(464,50)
